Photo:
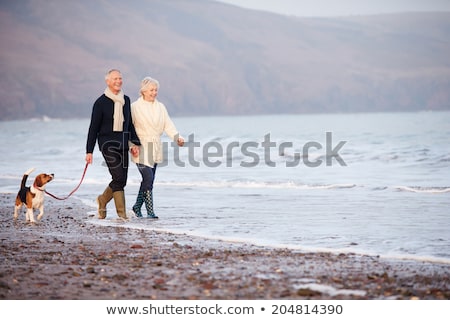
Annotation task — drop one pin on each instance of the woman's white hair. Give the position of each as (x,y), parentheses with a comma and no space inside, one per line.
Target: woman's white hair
(146,82)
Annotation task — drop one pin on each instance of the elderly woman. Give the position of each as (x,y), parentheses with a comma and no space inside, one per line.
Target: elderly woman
(151,120)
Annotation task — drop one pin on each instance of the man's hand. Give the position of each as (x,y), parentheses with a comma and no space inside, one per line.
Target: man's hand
(89,158)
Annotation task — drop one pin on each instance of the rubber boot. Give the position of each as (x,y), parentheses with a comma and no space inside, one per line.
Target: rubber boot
(138,205)
(119,201)
(102,201)
(148,199)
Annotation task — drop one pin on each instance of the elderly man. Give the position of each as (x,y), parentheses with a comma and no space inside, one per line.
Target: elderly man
(111,125)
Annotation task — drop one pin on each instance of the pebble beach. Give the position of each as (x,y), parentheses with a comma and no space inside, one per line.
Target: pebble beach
(65,257)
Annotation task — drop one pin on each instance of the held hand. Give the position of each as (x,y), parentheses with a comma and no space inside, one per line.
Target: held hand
(180,142)
(134,151)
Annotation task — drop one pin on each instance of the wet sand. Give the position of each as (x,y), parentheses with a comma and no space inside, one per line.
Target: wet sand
(66,257)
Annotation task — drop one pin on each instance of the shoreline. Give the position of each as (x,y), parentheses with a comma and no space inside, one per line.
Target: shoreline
(65,257)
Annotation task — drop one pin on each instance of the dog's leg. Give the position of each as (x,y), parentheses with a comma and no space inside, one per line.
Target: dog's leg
(16,211)
(30,215)
(17,205)
(41,213)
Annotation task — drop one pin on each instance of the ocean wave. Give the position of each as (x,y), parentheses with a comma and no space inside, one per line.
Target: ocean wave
(45,118)
(255,184)
(418,189)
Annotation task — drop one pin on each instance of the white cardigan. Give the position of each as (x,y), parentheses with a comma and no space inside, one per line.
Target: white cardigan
(151,120)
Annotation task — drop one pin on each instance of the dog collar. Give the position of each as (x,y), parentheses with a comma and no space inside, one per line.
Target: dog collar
(39,188)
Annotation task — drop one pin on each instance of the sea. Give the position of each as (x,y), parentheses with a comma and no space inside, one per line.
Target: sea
(369,183)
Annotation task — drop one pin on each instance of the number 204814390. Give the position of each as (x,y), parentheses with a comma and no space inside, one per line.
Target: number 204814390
(306,309)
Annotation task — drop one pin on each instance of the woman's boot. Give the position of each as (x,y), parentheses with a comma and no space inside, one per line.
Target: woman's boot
(138,205)
(148,199)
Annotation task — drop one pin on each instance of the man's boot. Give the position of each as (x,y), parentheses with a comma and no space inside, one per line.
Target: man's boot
(119,201)
(102,201)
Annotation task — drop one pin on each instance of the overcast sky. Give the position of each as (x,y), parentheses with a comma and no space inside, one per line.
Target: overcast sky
(324,8)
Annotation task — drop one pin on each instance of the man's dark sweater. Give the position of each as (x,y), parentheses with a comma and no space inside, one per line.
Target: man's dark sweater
(101,127)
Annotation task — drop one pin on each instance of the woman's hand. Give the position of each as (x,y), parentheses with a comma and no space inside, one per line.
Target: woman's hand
(134,150)
(180,141)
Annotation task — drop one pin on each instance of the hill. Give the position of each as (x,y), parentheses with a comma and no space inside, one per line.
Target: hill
(213,58)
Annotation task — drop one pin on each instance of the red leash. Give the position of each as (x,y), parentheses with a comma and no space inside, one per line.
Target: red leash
(73,191)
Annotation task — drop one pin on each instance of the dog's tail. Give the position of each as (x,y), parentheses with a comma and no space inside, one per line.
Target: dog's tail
(25,177)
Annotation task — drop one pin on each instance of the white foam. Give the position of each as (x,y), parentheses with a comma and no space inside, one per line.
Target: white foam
(137,224)
(423,189)
(329,290)
(254,184)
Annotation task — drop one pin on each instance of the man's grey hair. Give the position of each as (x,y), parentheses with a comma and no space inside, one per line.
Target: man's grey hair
(109,73)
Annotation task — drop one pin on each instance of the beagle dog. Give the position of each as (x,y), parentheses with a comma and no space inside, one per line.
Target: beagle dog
(32,197)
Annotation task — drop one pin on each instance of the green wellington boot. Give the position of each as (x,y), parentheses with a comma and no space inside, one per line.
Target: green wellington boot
(148,199)
(138,205)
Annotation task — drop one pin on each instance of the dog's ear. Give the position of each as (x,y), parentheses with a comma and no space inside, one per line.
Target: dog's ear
(42,179)
(38,181)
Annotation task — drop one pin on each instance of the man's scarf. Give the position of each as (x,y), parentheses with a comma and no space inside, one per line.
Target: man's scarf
(119,101)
